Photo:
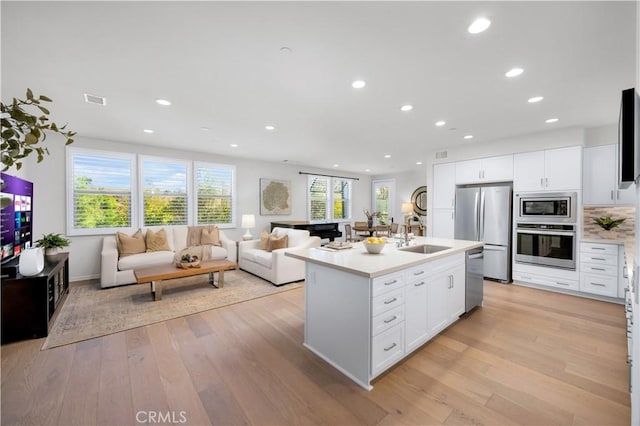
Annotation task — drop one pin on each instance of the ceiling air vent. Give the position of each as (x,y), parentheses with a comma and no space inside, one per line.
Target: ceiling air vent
(441,154)
(93,99)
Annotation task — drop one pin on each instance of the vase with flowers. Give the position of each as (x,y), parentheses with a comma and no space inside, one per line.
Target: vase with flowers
(370,216)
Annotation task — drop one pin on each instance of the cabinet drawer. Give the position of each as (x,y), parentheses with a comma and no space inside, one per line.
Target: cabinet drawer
(416,273)
(595,268)
(387,348)
(387,301)
(541,280)
(599,284)
(596,248)
(387,283)
(386,320)
(603,259)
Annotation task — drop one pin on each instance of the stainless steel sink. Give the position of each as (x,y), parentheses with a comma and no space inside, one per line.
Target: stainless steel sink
(424,248)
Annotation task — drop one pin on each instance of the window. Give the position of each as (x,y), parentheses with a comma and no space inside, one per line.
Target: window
(214,189)
(383,196)
(108,191)
(164,192)
(329,198)
(100,191)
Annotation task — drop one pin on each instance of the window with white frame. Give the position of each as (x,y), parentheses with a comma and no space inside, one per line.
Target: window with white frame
(215,184)
(101,188)
(329,198)
(103,196)
(164,186)
(383,196)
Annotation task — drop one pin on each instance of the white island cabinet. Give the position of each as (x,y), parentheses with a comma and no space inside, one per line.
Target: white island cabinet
(365,312)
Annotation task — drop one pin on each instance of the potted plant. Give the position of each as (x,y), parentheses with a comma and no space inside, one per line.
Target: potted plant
(52,243)
(607,223)
(23,132)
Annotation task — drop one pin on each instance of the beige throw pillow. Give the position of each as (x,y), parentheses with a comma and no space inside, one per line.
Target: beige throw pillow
(157,241)
(128,245)
(210,236)
(278,242)
(264,240)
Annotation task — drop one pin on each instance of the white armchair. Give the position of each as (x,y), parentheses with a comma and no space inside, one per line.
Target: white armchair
(274,266)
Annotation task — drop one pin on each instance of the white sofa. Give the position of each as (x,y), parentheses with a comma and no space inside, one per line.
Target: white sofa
(275,266)
(116,271)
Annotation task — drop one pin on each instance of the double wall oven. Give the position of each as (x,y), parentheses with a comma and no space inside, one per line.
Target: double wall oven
(546,232)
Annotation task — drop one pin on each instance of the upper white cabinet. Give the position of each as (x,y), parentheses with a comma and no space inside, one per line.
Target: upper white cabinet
(599,180)
(492,169)
(444,186)
(551,170)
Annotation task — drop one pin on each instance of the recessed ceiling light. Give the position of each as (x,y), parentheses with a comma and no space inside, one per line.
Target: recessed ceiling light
(367,170)
(514,72)
(387,156)
(468,136)
(163,102)
(269,127)
(233,145)
(440,123)
(148,131)
(204,129)
(418,163)
(551,120)
(535,99)
(479,25)
(358,84)
(406,108)
(335,165)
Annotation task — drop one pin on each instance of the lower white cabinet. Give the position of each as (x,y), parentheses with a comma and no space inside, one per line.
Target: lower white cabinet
(417,329)
(445,297)
(602,269)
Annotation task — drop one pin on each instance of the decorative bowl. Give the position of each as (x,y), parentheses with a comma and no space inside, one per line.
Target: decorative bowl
(374,245)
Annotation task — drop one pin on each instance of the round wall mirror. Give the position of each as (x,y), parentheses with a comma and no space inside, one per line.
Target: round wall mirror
(419,200)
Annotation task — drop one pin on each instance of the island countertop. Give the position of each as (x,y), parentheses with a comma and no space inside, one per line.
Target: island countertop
(358,261)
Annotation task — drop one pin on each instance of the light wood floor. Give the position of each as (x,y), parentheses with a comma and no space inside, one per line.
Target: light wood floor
(527,357)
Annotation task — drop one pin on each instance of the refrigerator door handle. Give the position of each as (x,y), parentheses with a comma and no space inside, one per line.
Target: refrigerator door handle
(481,221)
(476,216)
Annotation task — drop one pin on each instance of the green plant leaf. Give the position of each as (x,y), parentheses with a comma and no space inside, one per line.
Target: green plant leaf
(44,98)
(29,94)
(43,109)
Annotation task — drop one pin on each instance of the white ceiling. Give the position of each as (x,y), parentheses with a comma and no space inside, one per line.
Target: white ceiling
(221,65)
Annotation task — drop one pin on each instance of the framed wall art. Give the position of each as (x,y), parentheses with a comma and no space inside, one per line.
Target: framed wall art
(275,197)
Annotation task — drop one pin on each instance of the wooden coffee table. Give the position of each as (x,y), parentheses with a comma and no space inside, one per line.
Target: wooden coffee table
(156,275)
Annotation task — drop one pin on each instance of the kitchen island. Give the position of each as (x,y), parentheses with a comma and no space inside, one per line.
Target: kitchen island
(365,312)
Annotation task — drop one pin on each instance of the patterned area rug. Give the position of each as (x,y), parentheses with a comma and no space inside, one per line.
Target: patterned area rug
(90,311)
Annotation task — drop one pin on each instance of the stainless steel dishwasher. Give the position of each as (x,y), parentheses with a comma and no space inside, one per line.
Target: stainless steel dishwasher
(475,277)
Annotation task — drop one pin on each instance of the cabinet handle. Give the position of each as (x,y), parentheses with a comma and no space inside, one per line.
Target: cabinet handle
(612,194)
(597,248)
(541,183)
(421,283)
(479,174)
(617,195)
(386,302)
(393,318)
(388,348)
(598,258)
(546,182)
(561,283)
(598,284)
(452,218)
(598,269)
(390,282)
(418,273)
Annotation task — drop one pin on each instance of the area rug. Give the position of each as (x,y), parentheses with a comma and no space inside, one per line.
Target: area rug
(90,312)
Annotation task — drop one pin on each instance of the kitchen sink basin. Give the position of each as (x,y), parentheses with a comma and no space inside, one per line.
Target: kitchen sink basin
(424,248)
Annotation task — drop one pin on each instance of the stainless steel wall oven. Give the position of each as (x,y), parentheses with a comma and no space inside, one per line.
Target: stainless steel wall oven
(552,245)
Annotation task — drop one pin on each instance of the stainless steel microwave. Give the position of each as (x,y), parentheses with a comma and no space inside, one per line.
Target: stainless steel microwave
(547,207)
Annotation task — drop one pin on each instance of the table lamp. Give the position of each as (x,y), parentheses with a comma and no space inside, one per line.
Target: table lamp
(407,210)
(248,222)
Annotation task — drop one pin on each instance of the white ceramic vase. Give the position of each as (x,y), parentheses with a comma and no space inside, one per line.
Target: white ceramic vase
(31,262)
(52,251)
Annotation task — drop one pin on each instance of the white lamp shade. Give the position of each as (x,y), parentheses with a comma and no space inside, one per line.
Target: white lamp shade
(31,261)
(248,221)
(407,208)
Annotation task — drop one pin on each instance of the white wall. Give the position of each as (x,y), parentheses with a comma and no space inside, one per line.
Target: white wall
(49,178)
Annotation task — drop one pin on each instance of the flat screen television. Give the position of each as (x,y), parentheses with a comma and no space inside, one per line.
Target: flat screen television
(16,215)
(627,150)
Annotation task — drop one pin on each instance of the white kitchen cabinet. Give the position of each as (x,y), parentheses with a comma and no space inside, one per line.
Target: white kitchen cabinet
(444,186)
(600,181)
(602,269)
(557,169)
(491,169)
(416,309)
(446,283)
(443,223)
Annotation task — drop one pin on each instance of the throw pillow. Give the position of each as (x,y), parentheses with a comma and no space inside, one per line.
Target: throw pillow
(130,244)
(157,241)
(210,236)
(264,240)
(278,242)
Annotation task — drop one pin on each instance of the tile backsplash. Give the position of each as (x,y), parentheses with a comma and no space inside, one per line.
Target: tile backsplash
(624,232)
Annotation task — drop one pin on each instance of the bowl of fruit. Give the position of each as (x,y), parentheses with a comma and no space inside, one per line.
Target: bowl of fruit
(374,245)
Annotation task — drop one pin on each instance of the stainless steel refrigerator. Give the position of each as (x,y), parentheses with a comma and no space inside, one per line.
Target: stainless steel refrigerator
(483,213)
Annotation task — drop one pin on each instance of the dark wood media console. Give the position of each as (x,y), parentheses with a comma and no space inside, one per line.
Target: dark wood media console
(28,303)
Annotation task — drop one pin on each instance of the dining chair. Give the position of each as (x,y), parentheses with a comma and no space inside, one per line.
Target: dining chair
(383,231)
(362,234)
(348,231)
(394,228)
